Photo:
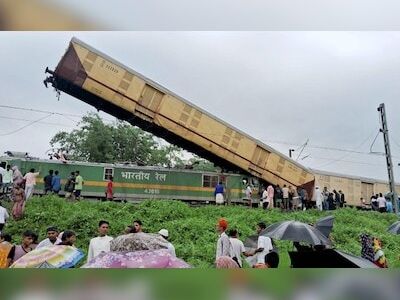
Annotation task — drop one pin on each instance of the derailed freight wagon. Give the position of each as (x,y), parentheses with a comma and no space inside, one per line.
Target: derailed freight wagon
(108,85)
(353,187)
(136,183)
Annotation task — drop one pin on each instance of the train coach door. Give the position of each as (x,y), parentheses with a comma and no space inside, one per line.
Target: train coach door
(367,190)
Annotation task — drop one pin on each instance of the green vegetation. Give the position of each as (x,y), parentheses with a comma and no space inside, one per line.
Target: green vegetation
(96,141)
(192,230)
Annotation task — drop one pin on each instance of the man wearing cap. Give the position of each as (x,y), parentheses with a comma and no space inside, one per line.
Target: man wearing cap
(101,243)
(171,248)
(223,243)
(52,238)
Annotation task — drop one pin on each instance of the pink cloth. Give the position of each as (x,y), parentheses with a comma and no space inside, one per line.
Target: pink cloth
(270,191)
(225,262)
(30,178)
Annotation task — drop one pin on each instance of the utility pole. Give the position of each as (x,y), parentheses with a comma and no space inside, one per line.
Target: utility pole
(389,162)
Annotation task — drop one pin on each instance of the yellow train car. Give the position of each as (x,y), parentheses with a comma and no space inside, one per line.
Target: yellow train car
(99,80)
(353,187)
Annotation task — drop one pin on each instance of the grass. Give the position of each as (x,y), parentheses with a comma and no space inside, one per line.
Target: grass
(192,230)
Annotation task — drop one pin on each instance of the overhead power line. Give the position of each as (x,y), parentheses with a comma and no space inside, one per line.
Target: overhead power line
(29,124)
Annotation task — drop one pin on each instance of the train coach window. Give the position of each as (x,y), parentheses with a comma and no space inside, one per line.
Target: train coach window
(108,172)
(210,180)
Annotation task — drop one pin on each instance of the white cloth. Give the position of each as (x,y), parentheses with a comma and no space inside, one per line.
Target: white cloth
(263,242)
(47,243)
(248,192)
(28,191)
(237,249)
(223,246)
(171,249)
(264,196)
(285,192)
(97,245)
(219,198)
(7,176)
(381,202)
(318,198)
(3,215)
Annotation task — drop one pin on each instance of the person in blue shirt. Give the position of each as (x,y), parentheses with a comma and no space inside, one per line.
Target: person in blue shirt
(219,193)
(56,183)
(389,206)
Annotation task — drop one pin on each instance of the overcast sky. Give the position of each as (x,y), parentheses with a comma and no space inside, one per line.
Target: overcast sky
(282,88)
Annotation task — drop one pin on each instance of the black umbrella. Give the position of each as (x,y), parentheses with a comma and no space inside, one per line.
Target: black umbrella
(328,258)
(325,225)
(251,242)
(395,228)
(297,232)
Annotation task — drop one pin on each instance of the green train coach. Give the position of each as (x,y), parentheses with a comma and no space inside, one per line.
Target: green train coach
(136,183)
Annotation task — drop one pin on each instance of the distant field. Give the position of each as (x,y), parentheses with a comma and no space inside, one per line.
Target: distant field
(192,230)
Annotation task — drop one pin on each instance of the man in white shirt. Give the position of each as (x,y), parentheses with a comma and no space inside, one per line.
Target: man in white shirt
(381,203)
(171,248)
(285,194)
(7,179)
(249,192)
(237,247)
(223,243)
(3,217)
(101,243)
(52,238)
(264,244)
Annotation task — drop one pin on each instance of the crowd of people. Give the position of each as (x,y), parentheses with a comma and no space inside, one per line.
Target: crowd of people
(288,198)
(20,187)
(10,253)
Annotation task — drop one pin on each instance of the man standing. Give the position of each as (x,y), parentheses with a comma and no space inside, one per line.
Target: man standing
(237,247)
(30,182)
(56,183)
(285,195)
(101,243)
(223,243)
(342,199)
(249,192)
(171,248)
(381,203)
(69,186)
(278,196)
(270,197)
(264,196)
(3,217)
(78,185)
(219,193)
(52,238)
(109,190)
(264,244)
(47,182)
(318,198)
(7,179)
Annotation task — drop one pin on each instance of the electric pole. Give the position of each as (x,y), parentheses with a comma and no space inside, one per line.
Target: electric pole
(290,152)
(389,162)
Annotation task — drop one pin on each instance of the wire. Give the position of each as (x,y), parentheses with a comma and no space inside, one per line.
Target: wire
(347,154)
(33,122)
(66,115)
(26,120)
(370,148)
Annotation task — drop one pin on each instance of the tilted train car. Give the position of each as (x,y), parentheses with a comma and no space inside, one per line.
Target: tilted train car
(353,187)
(99,80)
(134,183)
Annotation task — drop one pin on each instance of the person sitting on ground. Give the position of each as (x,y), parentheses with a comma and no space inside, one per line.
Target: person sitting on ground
(101,243)
(5,247)
(379,255)
(137,226)
(52,238)
(18,251)
(68,238)
(171,248)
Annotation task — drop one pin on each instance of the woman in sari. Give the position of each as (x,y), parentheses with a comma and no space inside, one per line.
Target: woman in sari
(18,179)
(19,202)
